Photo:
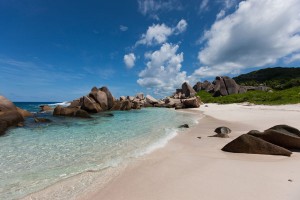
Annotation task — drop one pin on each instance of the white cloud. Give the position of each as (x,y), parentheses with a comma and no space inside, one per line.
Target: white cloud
(156,34)
(203,5)
(248,39)
(163,71)
(153,7)
(129,60)
(123,28)
(159,33)
(180,27)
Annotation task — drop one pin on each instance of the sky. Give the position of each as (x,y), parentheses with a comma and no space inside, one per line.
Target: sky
(53,50)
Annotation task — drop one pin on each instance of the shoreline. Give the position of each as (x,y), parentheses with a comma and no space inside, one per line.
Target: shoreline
(190,168)
(71,187)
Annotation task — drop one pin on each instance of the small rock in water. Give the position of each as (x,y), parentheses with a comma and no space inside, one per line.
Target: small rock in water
(199,137)
(290,180)
(41,120)
(184,126)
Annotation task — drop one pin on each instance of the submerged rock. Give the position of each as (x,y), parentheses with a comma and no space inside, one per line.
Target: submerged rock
(252,145)
(184,126)
(41,120)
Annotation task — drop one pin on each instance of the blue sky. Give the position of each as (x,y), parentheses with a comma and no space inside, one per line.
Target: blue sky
(58,50)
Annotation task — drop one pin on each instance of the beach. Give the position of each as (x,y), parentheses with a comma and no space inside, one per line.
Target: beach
(192,168)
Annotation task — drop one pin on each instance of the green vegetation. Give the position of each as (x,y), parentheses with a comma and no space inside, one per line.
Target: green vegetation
(287,96)
(279,78)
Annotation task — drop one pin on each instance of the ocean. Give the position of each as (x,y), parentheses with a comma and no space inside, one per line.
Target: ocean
(38,155)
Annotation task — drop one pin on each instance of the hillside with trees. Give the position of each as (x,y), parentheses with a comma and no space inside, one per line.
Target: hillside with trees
(277,78)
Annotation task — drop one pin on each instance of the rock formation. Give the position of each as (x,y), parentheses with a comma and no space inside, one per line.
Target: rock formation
(249,144)
(222,132)
(281,135)
(10,115)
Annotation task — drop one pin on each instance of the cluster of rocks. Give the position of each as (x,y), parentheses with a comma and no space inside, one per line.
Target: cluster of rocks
(10,115)
(182,98)
(277,140)
(101,99)
(223,86)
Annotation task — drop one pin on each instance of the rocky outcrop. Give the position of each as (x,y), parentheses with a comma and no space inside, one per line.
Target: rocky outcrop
(206,86)
(90,105)
(10,115)
(45,108)
(100,97)
(70,112)
(126,105)
(249,144)
(110,98)
(151,100)
(187,90)
(24,113)
(193,102)
(281,135)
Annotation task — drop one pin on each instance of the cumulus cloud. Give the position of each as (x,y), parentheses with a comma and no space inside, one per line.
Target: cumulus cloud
(123,28)
(247,39)
(159,33)
(221,14)
(163,70)
(129,60)
(153,7)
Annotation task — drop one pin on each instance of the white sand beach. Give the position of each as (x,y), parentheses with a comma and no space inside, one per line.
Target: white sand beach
(192,168)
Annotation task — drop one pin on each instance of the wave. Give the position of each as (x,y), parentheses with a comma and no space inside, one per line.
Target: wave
(64,104)
(171,133)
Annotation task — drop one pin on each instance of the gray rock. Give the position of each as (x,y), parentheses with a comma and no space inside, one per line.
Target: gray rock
(101,98)
(90,105)
(140,96)
(187,90)
(151,100)
(110,98)
(126,105)
(223,130)
(252,145)
(41,120)
(191,102)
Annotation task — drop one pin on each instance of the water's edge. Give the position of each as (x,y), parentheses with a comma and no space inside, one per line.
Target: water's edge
(93,180)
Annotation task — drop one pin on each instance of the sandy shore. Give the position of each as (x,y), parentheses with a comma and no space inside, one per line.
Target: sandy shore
(192,168)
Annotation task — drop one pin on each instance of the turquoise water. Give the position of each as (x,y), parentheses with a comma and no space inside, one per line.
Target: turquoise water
(38,155)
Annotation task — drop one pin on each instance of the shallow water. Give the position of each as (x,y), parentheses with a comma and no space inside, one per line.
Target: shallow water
(38,155)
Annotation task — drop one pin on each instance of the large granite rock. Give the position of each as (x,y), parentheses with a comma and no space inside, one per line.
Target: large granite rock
(90,105)
(206,86)
(140,96)
(12,118)
(151,100)
(286,129)
(6,105)
(45,108)
(191,102)
(125,105)
(100,97)
(252,145)
(24,113)
(10,115)
(136,105)
(110,98)
(70,112)
(3,127)
(281,138)
(187,90)
(223,86)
